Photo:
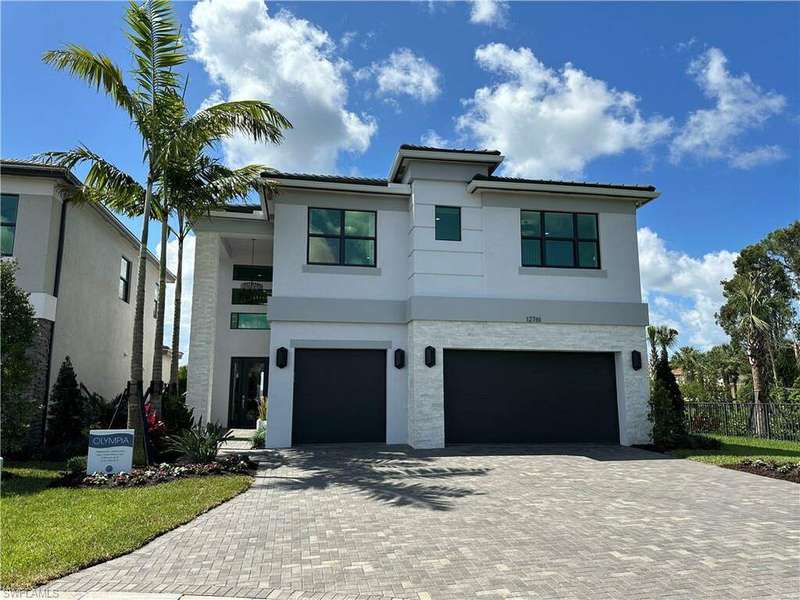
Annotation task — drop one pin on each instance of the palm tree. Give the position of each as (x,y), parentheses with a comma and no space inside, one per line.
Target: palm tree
(691,361)
(204,184)
(157,49)
(652,330)
(666,338)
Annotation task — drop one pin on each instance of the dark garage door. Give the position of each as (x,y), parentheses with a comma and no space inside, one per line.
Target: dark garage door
(339,396)
(529,397)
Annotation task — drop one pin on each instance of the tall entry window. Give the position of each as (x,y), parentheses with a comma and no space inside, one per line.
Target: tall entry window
(8,222)
(124,279)
(341,237)
(559,239)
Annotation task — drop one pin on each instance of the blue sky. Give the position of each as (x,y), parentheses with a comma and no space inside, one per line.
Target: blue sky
(702,100)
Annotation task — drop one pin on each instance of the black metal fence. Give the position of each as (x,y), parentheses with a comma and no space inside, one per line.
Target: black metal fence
(780,421)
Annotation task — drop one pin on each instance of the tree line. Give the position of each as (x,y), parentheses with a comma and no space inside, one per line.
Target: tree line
(761,363)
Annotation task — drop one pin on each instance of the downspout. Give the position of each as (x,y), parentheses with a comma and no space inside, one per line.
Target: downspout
(62,226)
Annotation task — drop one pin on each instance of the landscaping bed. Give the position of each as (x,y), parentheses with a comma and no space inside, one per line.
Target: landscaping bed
(785,471)
(154,474)
(49,532)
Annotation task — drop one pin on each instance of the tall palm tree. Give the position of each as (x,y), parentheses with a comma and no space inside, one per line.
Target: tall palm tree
(666,338)
(652,330)
(691,361)
(157,49)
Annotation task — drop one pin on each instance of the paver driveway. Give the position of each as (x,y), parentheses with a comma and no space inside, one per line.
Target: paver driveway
(504,522)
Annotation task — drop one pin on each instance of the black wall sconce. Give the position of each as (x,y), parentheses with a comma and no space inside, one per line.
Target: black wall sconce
(399,358)
(636,360)
(430,356)
(281,357)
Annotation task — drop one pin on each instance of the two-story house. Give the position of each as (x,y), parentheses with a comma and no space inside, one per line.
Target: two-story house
(440,305)
(78,263)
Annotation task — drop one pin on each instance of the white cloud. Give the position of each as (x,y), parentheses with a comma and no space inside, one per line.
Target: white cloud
(404,73)
(551,123)
(739,105)
(186,292)
(431,138)
(757,156)
(290,63)
(685,291)
(488,12)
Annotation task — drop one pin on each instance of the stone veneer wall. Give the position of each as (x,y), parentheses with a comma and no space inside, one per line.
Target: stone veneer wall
(204,323)
(426,385)
(38,354)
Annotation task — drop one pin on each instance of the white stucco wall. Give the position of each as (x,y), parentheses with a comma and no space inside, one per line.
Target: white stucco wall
(335,335)
(426,384)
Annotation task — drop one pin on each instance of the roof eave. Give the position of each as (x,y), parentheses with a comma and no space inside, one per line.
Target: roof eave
(641,197)
(392,189)
(403,154)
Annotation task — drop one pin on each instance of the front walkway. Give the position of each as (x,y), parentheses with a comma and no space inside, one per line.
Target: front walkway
(503,522)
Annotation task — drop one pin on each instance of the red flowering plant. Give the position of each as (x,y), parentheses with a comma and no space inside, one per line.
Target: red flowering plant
(156,428)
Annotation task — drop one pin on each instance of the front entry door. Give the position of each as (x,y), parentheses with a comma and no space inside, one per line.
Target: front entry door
(248,385)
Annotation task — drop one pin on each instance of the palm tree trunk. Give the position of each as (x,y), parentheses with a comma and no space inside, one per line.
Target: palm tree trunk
(176,320)
(135,391)
(759,420)
(157,383)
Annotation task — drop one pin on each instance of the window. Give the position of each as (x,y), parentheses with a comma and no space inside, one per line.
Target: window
(155,302)
(249,296)
(341,237)
(8,222)
(260,273)
(448,223)
(559,239)
(249,321)
(124,279)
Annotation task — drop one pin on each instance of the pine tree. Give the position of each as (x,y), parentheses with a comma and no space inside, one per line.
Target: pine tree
(65,421)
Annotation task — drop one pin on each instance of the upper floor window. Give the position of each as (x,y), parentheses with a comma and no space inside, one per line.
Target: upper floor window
(341,237)
(262,273)
(124,279)
(155,301)
(241,320)
(559,239)
(448,223)
(249,296)
(8,222)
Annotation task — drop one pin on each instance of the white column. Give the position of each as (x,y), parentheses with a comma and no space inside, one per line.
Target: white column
(204,324)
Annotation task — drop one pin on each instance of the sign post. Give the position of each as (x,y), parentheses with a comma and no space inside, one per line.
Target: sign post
(110,451)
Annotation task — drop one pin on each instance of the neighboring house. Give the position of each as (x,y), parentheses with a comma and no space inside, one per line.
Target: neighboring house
(441,305)
(78,262)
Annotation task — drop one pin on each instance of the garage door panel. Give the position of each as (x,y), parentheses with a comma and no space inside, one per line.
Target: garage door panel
(339,396)
(529,397)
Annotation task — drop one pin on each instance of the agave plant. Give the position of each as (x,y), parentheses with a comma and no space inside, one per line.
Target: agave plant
(199,443)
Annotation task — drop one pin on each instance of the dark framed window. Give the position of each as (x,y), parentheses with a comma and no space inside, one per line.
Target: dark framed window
(448,223)
(9,203)
(342,237)
(261,273)
(249,296)
(124,279)
(559,239)
(241,320)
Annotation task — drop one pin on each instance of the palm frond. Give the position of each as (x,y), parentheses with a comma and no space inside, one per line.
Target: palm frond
(97,70)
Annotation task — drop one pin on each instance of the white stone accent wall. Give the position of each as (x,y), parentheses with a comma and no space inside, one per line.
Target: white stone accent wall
(426,385)
(204,323)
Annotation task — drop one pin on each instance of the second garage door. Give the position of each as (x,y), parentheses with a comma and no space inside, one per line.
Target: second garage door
(339,396)
(529,397)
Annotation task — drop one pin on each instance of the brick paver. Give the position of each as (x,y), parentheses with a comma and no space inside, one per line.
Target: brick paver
(488,522)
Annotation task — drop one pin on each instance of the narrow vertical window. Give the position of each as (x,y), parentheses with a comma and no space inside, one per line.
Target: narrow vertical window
(155,301)
(124,279)
(8,223)
(448,223)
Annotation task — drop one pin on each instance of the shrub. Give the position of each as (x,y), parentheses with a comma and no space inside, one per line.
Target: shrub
(97,413)
(18,328)
(66,418)
(76,466)
(176,415)
(262,408)
(200,443)
(666,408)
(259,438)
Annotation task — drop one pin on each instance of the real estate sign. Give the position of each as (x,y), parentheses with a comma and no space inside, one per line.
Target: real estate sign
(110,451)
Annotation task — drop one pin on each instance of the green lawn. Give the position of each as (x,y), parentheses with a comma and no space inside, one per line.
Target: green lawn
(49,532)
(737,449)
